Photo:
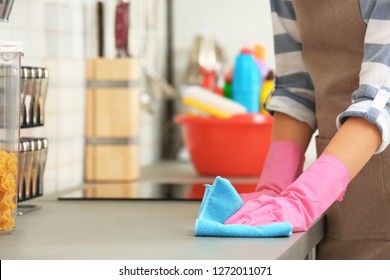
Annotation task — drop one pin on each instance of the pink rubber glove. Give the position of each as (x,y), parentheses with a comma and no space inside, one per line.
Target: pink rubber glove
(302,202)
(283,165)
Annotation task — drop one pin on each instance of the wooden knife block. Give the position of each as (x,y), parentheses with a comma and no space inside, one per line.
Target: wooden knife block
(112,120)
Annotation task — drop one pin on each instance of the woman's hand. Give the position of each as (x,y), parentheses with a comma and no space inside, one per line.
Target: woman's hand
(302,202)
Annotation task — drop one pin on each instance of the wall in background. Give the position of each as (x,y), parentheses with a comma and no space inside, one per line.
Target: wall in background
(52,35)
(59,35)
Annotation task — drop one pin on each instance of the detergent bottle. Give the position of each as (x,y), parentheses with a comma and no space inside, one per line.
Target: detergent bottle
(259,54)
(247,81)
(266,90)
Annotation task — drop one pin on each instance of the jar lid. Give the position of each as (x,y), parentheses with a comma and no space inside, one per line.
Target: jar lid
(9,46)
(45,72)
(38,72)
(45,143)
(27,72)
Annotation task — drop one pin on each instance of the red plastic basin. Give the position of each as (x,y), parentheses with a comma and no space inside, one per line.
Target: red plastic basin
(227,147)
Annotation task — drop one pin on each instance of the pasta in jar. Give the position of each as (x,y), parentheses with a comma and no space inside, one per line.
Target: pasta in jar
(8,171)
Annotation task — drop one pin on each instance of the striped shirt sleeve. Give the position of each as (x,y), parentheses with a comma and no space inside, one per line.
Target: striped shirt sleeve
(294,90)
(371,99)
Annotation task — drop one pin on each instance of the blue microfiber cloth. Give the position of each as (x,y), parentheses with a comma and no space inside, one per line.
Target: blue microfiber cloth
(220,201)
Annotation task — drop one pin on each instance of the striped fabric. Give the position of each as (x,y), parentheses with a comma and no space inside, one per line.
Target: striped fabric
(295,92)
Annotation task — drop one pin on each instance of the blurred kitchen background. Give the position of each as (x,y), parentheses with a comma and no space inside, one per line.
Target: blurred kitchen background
(61,34)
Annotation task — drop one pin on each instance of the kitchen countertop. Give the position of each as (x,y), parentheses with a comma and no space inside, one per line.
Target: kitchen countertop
(139,230)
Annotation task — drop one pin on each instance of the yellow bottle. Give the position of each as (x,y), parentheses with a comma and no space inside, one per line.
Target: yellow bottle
(266,90)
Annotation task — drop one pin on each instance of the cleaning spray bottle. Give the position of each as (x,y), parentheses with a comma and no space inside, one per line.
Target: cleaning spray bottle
(247,81)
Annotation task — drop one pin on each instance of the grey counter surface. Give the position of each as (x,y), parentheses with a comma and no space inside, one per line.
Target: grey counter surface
(138,230)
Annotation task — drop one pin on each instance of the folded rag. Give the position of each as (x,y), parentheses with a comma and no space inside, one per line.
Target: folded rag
(220,201)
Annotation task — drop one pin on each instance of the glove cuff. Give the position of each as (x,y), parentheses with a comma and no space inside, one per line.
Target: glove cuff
(283,165)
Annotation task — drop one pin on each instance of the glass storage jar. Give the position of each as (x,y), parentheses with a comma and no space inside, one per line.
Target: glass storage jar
(10,55)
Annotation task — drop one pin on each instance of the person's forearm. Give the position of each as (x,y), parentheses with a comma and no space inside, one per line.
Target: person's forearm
(289,128)
(354,144)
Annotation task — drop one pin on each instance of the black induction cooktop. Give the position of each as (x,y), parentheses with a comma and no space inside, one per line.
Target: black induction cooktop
(141,190)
